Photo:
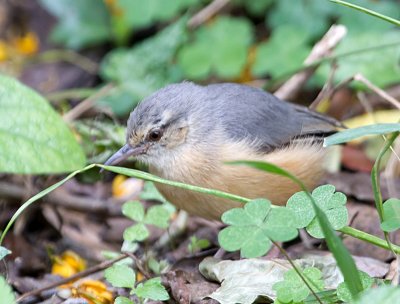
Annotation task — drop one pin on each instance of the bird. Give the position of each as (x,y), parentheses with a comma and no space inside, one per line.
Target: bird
(189,133)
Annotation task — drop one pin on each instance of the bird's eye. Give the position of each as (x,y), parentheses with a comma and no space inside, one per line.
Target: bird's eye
(155,135)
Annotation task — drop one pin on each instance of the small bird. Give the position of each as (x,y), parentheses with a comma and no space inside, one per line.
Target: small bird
(187,133)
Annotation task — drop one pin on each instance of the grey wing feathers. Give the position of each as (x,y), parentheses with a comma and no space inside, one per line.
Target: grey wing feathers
(266,120)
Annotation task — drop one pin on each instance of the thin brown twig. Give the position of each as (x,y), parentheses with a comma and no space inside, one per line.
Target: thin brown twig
(380,92)
(326,88)
(139,265)
(87,104)
(206,13)
(74,277)
(322,49)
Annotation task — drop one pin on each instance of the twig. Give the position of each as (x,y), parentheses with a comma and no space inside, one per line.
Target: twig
(139,265)
(206,13)
(87,104)
(380,92)
(74,277)
(327,88)
(322,49)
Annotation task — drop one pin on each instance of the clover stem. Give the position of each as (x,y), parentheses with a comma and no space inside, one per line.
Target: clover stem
(361,235)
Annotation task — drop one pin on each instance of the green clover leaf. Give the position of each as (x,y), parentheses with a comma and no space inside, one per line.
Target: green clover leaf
(229,52)
(343,291)
(120,276)
(151,289)
(252,228)
(293,289)
(391,215)
(331,202)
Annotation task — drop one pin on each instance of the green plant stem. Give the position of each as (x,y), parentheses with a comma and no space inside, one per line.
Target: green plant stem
(376,184)
(363,236)
(38,196)
(79,93)
(368,11)
(68,56)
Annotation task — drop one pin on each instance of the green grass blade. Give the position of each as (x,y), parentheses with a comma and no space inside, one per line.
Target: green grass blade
(343,258)
(38,196)
(156,179)
(350,134)
(367,11)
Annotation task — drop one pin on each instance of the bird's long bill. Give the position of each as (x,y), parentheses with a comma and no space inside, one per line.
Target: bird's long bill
(123,154)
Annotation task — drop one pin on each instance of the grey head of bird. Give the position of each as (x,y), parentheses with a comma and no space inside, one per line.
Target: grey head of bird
(167,124)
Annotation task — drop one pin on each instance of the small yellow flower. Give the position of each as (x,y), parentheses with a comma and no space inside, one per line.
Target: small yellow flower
(3,51)
(68,264)
(94,291)
(27,44)
(123,187)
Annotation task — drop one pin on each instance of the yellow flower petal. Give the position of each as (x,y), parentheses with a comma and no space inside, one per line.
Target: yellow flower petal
(3,51)
(27,44)
(68,264)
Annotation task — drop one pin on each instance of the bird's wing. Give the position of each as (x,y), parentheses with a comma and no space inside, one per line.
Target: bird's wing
(264,119)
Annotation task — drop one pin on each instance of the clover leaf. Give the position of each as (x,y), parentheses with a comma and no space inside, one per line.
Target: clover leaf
(228,55)
(120,276)
(391,215)
(252,228)
(331,202)
(343,291)
(293,288)
(151,289)
(156,215)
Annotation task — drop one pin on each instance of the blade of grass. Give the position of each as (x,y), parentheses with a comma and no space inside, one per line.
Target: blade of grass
(156,179)
(367,11)
(39,196)
(350,134)
(343,258)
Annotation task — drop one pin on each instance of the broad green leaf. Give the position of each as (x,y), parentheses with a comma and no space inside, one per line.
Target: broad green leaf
(391,215)
(7,296)
(274,60)
(343,291)
(253,227)
(81,23)
(122,300)
(157,216)
(4,252)
(350,134)
(256,8)
(133,210)
(382,295)
(311,16)
(229,52)
(138,13)
(339,251)
(151,61)
(33,137)
(331,202)
(120,276)
(359,52)
(137,232)
(293,289)
(152,289)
